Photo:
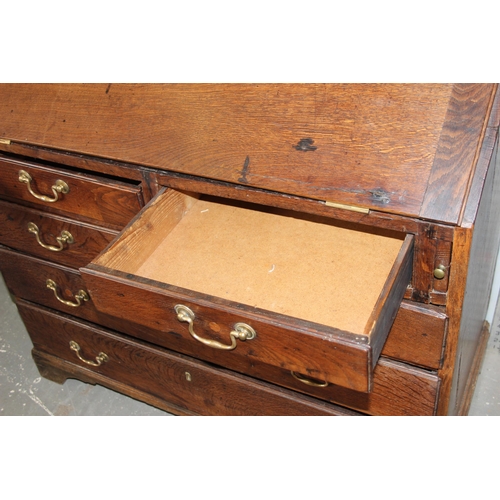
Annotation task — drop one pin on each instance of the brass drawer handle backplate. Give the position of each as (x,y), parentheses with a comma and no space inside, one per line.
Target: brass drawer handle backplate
(100,358)
(308,381)
(59,187)
(80,296)
(65,237)
(241,331)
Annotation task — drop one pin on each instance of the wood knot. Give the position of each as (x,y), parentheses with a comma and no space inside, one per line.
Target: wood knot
(381,196)
(305,145)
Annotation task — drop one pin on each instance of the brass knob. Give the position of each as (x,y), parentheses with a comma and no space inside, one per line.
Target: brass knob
(440,272)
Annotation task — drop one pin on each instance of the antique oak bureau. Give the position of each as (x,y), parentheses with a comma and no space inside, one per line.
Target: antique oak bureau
(248,249)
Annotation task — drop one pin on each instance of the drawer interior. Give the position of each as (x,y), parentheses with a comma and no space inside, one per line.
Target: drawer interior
(308,267)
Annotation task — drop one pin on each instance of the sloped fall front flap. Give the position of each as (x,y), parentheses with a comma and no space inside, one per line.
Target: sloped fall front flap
(400,148)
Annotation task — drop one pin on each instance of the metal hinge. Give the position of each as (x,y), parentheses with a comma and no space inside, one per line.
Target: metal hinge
(4,141)
(352,208)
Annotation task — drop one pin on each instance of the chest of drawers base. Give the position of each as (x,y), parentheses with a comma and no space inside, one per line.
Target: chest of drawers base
(396,388)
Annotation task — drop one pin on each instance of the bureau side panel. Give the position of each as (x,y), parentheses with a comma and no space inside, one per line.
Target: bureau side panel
(480,271)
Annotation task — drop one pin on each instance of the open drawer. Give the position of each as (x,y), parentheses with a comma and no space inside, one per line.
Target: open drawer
(307,294)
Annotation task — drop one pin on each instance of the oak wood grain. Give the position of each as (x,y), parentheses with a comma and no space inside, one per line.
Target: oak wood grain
(147,230)
(374,218)
(456,294)
(483,163)
(487,157)
(59,370)
(456,155)
(80,161)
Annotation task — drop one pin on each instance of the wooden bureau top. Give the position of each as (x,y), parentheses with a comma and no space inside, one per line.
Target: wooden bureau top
(401,148)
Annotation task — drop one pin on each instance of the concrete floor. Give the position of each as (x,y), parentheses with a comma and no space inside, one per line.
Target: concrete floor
(24,392)
(486,400)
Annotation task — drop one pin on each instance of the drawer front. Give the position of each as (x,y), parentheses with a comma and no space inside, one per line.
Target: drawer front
(398,389)
(51,237)
(181,381)
(289,346)
(60,191)
(417,335)
(27,277)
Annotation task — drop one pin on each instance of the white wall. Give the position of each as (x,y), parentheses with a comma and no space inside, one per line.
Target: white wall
(494,292)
